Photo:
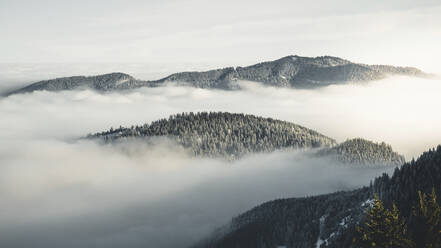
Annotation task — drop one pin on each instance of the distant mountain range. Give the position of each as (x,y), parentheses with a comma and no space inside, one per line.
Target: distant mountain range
(290,71)
(328,220)
(232,136)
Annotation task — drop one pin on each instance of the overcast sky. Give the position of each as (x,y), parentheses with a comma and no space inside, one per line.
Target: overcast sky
(214,33)
(58,193)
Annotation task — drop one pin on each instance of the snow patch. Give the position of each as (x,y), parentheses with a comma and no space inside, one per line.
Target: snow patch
(319,243)
(119,82)
(344,221)
(319,240)
(368,203)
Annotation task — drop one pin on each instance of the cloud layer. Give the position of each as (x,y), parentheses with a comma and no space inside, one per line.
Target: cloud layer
(57,191)
(400,111)
(82,194)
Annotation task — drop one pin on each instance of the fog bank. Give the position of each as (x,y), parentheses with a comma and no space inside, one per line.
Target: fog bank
(58,194)
(401,111)
(58,191)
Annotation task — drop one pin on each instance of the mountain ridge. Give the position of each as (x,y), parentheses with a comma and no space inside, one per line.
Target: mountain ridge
(290,71)
(233,135)
(223,134)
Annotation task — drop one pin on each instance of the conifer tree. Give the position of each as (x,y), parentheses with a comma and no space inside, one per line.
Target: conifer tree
(383,228)
(427,223)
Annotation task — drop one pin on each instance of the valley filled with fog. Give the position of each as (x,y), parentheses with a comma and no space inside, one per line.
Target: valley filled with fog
(60,191)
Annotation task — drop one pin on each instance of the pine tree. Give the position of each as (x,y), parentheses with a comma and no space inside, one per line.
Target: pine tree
(427,222)
(383,228)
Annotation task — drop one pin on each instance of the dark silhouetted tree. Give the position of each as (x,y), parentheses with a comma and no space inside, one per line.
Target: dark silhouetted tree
(383,228)
(427,220)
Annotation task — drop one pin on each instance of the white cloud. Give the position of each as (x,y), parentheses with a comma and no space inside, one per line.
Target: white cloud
(57,191)
(81,194)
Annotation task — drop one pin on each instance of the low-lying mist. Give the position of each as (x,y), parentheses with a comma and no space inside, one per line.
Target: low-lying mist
(58,191)
(82,194)
(401,111)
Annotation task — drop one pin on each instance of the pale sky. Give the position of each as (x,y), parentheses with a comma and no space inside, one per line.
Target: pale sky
(227,32)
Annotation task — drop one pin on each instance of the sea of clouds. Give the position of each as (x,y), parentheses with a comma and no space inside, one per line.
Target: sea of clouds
(58,191)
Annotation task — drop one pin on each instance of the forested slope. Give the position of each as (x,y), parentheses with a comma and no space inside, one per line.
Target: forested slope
(107,82)
(329,220)
(221,134)
(363,153)
(231,136)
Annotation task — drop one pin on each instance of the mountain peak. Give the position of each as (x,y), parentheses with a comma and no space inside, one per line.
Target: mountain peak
(116,75)
(290,71)
(104,82)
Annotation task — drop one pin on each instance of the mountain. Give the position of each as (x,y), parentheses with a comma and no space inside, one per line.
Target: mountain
(107,82)
(290,71)
(224,134)
(328,220)
(231,136)
(363,152)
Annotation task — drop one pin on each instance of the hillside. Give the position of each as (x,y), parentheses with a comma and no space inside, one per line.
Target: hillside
(224,134)
(106,82)
(231,136)
(293,71)
(290,71)
(328,220)
(363,152)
